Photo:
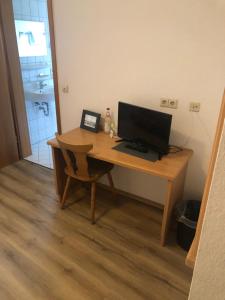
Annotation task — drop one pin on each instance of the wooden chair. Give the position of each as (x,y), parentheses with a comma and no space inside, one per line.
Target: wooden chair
(84,169)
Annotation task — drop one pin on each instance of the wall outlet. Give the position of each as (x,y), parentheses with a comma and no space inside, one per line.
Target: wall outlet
(173,103)
(195,106)
(164,102)
(170,103)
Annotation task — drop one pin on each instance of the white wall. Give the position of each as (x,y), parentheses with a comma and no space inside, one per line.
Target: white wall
(209,273)
(140,51)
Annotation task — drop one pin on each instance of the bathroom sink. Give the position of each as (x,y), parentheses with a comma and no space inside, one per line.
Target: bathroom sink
(33,93)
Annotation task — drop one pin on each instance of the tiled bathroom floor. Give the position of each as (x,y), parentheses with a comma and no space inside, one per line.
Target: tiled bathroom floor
(41,154)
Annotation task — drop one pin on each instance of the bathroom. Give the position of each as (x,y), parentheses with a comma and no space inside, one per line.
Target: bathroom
(33,39)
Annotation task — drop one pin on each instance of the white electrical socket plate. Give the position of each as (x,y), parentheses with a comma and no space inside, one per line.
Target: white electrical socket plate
(65,89)
(173,103)
(164,102)
(169,103)
(195,106)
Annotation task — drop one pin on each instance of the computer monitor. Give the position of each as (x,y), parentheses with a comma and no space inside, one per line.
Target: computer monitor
(146,126)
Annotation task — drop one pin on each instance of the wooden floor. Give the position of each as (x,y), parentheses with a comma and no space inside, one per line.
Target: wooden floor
(48,253)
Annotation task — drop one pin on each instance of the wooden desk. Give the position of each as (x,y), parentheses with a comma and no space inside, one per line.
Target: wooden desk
(172,167)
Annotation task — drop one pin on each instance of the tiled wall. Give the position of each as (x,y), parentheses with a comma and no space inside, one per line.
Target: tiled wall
(34,10)
(41,127)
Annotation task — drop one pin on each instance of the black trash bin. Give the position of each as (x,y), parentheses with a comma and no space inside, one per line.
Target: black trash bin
(187,217)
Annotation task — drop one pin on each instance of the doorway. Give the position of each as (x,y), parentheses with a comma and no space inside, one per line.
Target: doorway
(31,19)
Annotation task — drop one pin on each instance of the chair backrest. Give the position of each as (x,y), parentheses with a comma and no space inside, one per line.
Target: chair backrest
(80,168)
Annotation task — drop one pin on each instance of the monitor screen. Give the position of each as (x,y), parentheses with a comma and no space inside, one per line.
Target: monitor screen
(145,126)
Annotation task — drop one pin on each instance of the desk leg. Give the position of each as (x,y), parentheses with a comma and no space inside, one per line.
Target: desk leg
(174,194)
(59,174)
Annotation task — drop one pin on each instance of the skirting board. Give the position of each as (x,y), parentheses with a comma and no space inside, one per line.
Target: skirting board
(132,196)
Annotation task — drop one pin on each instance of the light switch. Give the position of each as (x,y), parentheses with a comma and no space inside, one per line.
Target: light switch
(65,89)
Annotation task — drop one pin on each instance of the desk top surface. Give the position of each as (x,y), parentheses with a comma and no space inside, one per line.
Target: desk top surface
(168,167)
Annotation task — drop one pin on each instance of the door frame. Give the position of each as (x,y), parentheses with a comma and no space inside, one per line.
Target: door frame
(15,75)
(54,64)
(9,151)
(15,82)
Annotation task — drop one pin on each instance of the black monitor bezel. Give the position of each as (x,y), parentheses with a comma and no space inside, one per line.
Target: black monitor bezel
(162,150)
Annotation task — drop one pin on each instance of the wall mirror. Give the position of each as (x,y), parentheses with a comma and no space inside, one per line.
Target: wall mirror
(31,38)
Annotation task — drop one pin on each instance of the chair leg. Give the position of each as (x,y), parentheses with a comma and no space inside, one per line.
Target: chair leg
(93,201)
(110,179)
(68,180)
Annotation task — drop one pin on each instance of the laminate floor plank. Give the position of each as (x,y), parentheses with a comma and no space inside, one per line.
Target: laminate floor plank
(49,253)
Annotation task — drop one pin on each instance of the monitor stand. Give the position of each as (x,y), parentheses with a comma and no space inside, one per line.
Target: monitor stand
(137,146)
(139,150)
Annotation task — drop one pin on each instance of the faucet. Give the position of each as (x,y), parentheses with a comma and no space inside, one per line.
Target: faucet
(42,84)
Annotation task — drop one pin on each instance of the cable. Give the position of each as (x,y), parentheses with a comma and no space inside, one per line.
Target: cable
(175,149)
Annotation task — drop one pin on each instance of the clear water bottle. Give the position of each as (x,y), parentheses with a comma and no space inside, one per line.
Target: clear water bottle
(108,120)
